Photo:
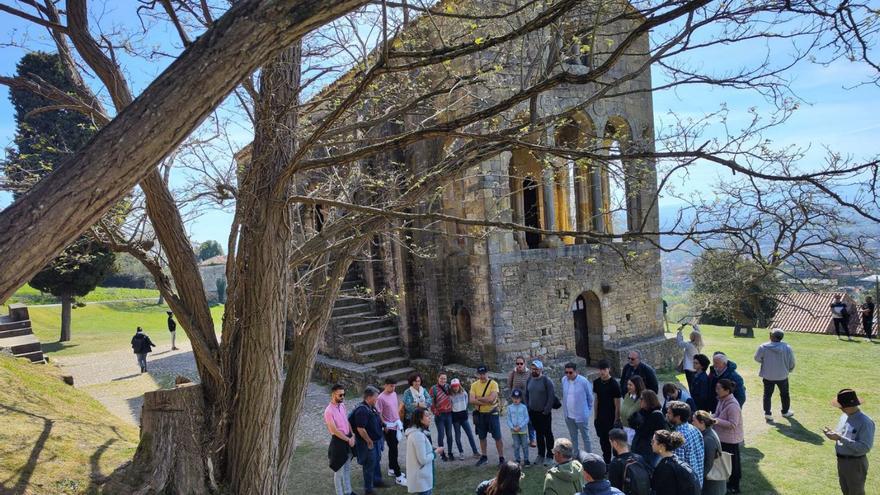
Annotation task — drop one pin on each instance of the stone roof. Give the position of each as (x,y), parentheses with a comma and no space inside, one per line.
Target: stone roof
(216,260)
(810,312)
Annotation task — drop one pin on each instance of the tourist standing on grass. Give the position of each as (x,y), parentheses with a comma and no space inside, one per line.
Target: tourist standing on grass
(517,379)
(729,427)
(723,368)
(699,388)
(388,406)
(420,454)
(628,471)
(854,438)
(484,397)
(506,482)
(441,407)
(777,361)
(672,476)
(518,422)
(595,470)
(672,392)
(630,405)
(607,406)
(577,406)
(648,420)
(540,396)
(367,424)
(142,345)
(678,414)
(414,397)
(840,317)
(460,421)
(566,477)
(704,422)
(172,329)
(341,440)
(691,348)
(866,313)
(635,367)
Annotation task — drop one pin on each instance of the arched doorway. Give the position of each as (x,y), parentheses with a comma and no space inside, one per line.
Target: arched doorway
(587,314)
(530,211)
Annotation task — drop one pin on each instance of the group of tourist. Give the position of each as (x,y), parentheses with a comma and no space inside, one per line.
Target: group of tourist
(840,317)
(669,440)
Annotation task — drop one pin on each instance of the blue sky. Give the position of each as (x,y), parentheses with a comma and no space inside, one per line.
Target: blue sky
(831,115)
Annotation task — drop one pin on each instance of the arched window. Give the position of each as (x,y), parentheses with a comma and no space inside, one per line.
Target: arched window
(463,326)
(622,183)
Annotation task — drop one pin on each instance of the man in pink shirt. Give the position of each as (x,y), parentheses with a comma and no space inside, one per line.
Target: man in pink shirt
(341,440)
(389,408)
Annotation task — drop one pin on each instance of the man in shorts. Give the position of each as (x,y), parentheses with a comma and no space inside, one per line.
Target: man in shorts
(484,397)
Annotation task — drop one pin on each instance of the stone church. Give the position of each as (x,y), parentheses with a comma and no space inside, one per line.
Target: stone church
(485,296)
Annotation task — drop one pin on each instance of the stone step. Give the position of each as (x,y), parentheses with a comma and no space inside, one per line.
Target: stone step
(347,310)
(22,344)
(380,354)
(15,332)
(345,301)
(373,344)
(399,374)
(351,284)
(390,364)
(370,324)
(34,357)
(347,318)
(373,334)
(14,325)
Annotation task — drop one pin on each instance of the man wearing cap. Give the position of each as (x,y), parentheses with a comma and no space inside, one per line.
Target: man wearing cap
(484,397)
(565,477)
(777,361)
(367,422)
(594,476)
(540,396)
(854,437)
(172,328)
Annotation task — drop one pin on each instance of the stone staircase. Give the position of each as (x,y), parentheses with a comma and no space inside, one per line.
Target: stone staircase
(372,337)
(17,337)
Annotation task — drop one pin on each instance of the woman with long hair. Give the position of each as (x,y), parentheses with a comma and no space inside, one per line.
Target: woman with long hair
(460,419)
(630,405)
(728,414)
(420,454)
(650,419)
(704,421)
(691,348)
(506,482)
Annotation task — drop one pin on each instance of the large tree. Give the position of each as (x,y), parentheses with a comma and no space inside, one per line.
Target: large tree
(209,249)
(449,81)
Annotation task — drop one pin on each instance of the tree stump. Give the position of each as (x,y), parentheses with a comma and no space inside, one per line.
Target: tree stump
(171,455)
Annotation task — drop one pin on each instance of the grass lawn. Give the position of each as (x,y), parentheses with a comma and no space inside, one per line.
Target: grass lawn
(28,295)
(105,327)
(55,439)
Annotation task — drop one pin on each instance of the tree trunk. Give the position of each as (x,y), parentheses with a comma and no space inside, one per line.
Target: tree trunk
(66,303)
(37,226)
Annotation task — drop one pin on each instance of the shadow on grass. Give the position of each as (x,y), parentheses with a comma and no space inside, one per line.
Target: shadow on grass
(21,485)
(753,481)
(57,346)
(96,479)
(796,431)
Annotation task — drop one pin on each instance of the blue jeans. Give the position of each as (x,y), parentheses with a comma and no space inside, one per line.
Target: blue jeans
(372,468)
(444,429)
(460,422)
(342,479)
(532,435)
(584,429)
(520,444)
(142,360)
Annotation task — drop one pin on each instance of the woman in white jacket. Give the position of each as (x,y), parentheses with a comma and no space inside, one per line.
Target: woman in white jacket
(691,347)
(420,454)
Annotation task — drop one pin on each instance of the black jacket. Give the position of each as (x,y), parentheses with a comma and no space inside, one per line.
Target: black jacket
(615,469)
(339,452)
(141,344)
(646,424)
(643,370)
(671,478)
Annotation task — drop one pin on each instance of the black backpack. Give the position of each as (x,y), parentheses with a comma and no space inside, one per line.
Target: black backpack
(636,477)
(685,479)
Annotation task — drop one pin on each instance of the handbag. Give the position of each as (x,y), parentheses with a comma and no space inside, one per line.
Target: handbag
(722,467)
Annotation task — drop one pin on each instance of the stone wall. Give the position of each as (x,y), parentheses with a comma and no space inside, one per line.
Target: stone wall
(210,275)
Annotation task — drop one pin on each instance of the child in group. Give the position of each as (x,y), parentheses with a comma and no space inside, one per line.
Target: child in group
(518,421)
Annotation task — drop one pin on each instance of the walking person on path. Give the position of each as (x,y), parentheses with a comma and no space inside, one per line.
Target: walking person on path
(577,406)
(540,396)
(607,406)
(729,427)
(777,361)
(678,414)
(840,317)
(341,440)
(724,368)
(635,367)
(518,422)
(866,313)
(704,422)
(414,397)
(517,379)
(460,421)
(420,454)
(691,348)
(172,328)
(484,396)
(854,438)
(441,407)
(388,406)
(367,423)
(142,345)
(565,478)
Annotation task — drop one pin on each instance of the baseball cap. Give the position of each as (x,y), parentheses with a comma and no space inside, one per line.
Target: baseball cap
(593,464)
(847,398)
(482,369)
(455,381)
(516,393)
(538,364)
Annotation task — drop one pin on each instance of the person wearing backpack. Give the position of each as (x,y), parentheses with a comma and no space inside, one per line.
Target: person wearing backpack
(540,399)
(595,469)
(142,345)
(628,471)
(704,422)
(672,476)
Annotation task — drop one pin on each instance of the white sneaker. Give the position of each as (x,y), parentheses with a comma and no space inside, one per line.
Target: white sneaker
(391,473)
(768,417)
(789,414)
(401,480)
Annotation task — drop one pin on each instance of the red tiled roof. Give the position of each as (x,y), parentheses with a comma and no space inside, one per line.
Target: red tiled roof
(216,260)
(810,312)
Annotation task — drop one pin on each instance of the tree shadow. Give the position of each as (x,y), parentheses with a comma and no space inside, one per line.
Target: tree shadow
(96,479)
(126,377)
(753,481)
(21,486)
(796,431)
(57,346)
